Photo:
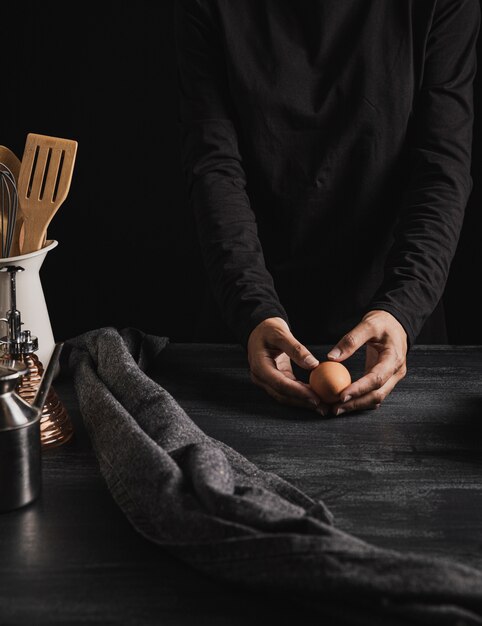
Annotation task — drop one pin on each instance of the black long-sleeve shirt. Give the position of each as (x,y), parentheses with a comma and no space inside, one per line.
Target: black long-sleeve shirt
(327,150)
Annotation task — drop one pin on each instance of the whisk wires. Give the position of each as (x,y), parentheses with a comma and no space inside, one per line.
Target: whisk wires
(8,208)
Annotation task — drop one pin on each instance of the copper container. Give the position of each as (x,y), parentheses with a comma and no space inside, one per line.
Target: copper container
(55,424)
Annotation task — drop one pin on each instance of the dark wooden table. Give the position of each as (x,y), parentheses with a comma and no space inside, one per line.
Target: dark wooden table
(408,477)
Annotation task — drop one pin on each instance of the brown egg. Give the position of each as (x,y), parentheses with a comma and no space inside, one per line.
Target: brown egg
(328,379)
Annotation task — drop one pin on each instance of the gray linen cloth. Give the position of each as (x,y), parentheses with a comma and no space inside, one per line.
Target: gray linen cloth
(201,501)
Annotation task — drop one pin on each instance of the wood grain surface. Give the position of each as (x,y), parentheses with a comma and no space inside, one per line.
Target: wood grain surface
(406,476)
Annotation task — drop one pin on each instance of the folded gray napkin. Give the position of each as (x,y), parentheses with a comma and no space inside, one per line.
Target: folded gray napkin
(209,506)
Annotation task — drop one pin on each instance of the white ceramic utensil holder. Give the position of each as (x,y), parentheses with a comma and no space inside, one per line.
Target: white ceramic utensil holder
(30,299)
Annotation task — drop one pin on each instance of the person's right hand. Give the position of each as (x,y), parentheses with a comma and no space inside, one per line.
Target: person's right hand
(271,348)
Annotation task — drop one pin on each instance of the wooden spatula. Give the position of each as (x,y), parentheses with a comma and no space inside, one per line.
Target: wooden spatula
(11,160)
(43,184)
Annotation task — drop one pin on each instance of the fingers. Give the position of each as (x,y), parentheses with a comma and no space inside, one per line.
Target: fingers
(387,365)
(369,391)
(285,341)
(276,377)
(352,341)
(274,336)
(372,399)
(286,390)
(271,350)
(385,360)
(285,394)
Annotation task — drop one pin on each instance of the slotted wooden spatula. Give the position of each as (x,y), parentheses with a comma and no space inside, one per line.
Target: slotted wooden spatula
(43,184)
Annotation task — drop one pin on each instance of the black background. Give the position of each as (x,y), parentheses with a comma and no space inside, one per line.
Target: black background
(105,75)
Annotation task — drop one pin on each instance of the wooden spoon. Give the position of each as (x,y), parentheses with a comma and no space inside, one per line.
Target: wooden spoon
(43,184)
(11,160)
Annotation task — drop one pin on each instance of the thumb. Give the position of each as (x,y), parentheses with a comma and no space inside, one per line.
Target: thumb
(297,351)
(350,342)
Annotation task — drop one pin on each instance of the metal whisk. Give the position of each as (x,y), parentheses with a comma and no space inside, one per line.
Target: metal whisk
(8,208)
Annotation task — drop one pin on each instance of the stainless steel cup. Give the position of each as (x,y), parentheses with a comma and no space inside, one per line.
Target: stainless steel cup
(20,446)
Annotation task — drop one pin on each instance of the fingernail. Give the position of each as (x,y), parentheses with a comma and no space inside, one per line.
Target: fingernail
(339,411)
(346,399)
(321,412)
(334,354)
(311,361)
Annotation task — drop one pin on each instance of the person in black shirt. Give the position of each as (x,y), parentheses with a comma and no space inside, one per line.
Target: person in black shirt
(327,150)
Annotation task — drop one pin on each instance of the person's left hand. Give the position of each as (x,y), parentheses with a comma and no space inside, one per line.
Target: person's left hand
(385,361)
